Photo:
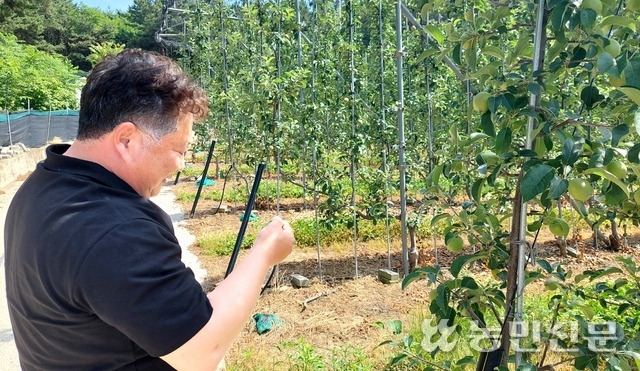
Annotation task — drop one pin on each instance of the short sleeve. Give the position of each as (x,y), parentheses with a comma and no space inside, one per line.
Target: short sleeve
(134,280)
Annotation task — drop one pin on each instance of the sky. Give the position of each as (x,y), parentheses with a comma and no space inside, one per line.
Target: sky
(107,4)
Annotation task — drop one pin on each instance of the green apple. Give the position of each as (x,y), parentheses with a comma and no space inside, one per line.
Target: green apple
(580,189)
(596,5)
(489,157)
(636,196)
(481,101)
(454,244)
(559,227)
(613,48)
(633,5)
(617,168)
(551,284)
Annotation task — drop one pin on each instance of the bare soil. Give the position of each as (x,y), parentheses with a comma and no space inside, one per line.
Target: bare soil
(344,308)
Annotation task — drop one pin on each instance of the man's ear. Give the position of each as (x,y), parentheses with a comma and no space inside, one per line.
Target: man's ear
(126,139)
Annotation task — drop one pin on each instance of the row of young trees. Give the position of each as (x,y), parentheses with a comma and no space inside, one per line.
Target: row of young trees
(506,106)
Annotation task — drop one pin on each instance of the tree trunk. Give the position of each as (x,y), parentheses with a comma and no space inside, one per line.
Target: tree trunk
(512,272)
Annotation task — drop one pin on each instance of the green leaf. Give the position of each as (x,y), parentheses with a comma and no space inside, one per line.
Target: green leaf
(607,65)
(534,88)
(557,16)
(613,20)
(474,137)
(425,54)
(588,18)
(583,362)
(411,277)
(578,56)
(487,124)
(604,272)
(407,340)
(397,359)
(436,33)
(571,151)
(522,44)
(634,154)
(544,265)
(590,96)
(632,93)
(493,51)
(607,175)
(439,217)
(476,189)
(453,131)
(433,179)
(456,54)
(468,360)
(632,74)
(618,133)
(614,195)
(460,262)
(469,283)
(535,181)
(395,326)
(557,187)
(503,141)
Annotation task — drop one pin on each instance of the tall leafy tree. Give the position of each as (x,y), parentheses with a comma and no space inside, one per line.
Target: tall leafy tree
(33,78)
(144,17)
(24,19)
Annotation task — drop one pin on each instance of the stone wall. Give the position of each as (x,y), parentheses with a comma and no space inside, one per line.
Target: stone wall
(17,160)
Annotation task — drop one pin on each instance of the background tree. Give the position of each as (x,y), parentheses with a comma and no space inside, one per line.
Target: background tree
(32,78)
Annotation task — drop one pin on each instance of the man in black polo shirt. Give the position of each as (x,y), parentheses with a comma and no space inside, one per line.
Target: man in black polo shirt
(94,275)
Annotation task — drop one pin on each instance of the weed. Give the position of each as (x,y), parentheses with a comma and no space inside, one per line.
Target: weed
(221,245)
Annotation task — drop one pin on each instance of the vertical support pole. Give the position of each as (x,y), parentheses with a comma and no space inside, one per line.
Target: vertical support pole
(383,125)
(401,143)
(245,220)
(534,100)
(352,169)
(9,125)
(202,178)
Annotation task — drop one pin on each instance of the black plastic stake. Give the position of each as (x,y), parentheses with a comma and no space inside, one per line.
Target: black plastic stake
(177,177)
(203,178)
(245,219)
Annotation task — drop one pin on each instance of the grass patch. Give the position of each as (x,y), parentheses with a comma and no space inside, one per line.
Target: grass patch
(223,244)
(305,231)
(302,356)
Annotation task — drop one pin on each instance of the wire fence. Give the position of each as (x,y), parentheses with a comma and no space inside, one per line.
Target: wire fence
(37,128)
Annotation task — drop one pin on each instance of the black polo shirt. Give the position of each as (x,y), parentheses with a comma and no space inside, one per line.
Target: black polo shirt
(94,272)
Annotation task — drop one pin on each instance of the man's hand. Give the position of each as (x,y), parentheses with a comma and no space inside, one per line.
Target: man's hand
(275,240)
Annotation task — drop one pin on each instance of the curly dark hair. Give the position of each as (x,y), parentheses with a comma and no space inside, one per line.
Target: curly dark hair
(139,86)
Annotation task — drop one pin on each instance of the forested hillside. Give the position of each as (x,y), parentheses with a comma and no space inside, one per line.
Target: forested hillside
(48,45)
